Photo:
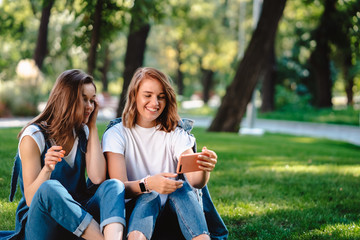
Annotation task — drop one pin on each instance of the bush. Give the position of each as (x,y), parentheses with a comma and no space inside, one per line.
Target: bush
(18,99)
(291,100)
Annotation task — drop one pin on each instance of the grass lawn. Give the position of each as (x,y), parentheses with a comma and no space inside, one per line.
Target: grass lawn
(268,187)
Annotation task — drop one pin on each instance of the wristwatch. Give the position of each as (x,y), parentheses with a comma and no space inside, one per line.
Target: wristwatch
(142,185)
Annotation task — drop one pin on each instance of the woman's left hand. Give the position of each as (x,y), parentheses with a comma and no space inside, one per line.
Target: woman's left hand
(93,115)
(207,160)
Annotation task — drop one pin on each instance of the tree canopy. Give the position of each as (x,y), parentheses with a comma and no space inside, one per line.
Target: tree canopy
(197,42)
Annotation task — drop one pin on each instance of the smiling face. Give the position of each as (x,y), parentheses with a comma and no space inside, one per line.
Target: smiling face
(88,96)
(150,102)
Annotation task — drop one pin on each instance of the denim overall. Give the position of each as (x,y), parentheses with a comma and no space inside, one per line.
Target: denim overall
(62,207)
(167,226)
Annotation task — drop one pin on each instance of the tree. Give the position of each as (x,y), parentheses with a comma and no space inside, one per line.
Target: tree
(135,51)
(139,30)
(180,74)
(101,22)
(105,68)
(238,94)
(320,57)
(95,36)
(268,84)
(346,39)
(41,44)
(207,82)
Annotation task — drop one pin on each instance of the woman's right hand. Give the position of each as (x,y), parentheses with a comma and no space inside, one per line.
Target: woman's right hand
(162,183)
(52,157)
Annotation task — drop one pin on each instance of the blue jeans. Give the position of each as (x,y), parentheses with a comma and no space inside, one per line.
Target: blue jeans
(54,214)
(147,208)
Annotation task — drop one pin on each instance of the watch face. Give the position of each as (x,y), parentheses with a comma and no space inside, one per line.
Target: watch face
(142,187)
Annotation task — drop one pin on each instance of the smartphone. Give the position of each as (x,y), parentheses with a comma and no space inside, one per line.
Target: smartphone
(188,163)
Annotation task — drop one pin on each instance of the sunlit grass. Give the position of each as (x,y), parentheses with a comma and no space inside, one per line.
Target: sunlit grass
(265,187)
(283,187)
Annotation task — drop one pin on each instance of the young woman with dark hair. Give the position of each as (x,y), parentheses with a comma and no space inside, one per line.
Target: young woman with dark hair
(55,149)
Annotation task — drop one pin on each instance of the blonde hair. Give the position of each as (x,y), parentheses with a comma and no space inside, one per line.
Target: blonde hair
(169,118)
(64,109)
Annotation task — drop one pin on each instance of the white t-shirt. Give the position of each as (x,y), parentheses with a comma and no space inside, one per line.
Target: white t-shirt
(34,132)
(147,151)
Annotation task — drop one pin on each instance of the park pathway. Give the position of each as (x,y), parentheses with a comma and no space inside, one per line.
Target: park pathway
(344,133)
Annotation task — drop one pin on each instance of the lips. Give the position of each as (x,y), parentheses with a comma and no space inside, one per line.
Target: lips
(152,109)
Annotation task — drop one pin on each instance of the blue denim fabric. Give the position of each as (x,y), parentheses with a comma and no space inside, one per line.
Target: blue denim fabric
(62,206)
(108,204)
(69,219)
(164,228)
(183,202)
(53,213)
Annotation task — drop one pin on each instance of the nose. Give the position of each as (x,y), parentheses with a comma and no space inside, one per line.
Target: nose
(88,105)
(155,101)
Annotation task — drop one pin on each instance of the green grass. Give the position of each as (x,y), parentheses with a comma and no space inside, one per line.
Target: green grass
(268,187)
(346,116)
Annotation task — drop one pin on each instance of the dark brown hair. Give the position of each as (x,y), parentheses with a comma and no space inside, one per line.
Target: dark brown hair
(64,109)
(169,117)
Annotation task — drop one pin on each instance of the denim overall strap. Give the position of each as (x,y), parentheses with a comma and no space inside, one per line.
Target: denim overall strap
(113,122)
(14,177)
(187,125)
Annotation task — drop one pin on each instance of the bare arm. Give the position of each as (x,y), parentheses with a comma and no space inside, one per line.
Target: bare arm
(33,174)
(95,160)
(159,182)
(207,160)
(117,169)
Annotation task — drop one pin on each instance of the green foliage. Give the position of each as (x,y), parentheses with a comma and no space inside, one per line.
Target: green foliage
(193,38)
(19,98)
(17,35)
(290,100)
(185,35)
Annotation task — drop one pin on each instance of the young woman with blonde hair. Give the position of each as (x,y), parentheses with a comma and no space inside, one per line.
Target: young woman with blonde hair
(142,151)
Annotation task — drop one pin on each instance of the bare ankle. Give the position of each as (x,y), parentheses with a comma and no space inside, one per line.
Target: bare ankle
(202,237)
(136,235)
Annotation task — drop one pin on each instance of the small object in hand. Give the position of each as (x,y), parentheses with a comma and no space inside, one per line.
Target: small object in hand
(188,163)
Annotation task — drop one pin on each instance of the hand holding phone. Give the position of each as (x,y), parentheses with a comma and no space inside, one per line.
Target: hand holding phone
(188,163)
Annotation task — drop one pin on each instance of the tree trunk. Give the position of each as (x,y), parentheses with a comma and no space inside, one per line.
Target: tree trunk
(349,78)
(180,74)
(135,51)
(320,59)
(238,94)
(41,43)
(105,68)
(95,37)
(268,84)
(207,82)
(349,84)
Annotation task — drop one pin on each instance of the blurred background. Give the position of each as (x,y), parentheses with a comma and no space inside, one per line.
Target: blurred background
(294,60)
